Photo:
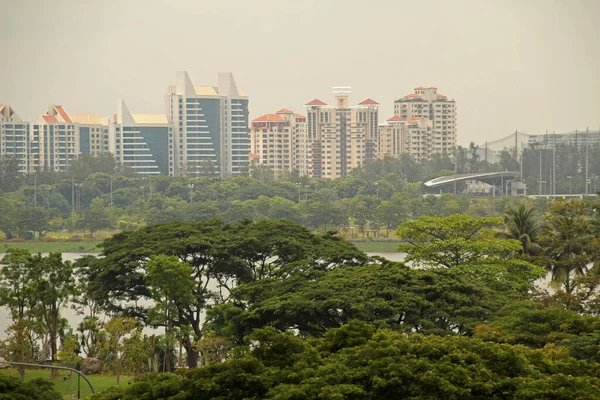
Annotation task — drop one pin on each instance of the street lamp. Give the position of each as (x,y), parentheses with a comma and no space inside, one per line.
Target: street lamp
(47,198)
(570,184)
(377,188)
(306,192)
(191,186)
(299,186)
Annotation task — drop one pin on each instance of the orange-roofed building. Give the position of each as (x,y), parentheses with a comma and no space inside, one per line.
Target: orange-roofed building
(274,140)
(57,140)
(339,137)
(429,105)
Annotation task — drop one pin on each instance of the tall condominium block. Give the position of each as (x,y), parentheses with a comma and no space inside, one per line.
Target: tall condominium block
(392,137)
(428,104)
(141,141)
(398,136)
(93,133)
(57,138)
(274,140)
(339,137)
(210,127)
(15,139)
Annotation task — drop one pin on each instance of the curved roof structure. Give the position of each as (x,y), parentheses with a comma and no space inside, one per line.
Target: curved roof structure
(487,177)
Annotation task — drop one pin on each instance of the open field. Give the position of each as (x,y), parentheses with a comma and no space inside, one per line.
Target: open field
(372,246)
(47,247)
(61,383)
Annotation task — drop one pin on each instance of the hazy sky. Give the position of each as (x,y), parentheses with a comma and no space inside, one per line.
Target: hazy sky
(530,65)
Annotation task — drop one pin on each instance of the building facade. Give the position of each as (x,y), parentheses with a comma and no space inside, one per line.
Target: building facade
(209,126)
(141,142)
(15,139)
(340,137)
(427,104)
(275,139)
(55,139)
(93,133)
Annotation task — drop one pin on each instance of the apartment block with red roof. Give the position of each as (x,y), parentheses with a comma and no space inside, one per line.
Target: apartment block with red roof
(274,139)
(57,139)
(427,104)
(15,139)
(339,137)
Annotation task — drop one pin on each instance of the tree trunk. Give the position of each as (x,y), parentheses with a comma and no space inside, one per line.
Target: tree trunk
(192,353)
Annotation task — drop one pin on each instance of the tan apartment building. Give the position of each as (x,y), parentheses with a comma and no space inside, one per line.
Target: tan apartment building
(274,139)
(398,136)
(427,103)
(56,140)
(339,137)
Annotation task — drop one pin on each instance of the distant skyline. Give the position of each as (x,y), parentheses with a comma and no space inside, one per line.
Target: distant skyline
(528,65)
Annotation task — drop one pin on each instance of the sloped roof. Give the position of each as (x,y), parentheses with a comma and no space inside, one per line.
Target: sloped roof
(396,118)
(269,118)
(420,88)
(300,116)
(439,95)
(368,102)
(316,102)
(285,111)
(412,96)
(50,118)
(63,114)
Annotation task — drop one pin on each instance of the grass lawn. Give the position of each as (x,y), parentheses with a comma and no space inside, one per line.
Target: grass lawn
(48,247)
(61,383)
(372,246)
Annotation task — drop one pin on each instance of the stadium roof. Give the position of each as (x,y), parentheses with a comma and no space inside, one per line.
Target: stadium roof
(487,177)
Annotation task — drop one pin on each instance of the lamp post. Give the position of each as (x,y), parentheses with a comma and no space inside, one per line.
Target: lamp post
(570,178)
(377,189)
(191,186)
(47,197)
(306,192)
(299,186)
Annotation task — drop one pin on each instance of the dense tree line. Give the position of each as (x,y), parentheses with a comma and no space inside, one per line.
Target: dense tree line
(269,309)
(95,195)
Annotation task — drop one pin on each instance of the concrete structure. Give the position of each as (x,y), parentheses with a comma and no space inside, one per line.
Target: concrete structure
(93,134)
(57,138)
(210,127)
(427,104)
(15,139)
(275,138)
(340,137)
(482,183)
(141,141)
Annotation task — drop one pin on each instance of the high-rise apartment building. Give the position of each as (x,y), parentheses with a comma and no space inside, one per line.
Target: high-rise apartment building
(93,133)
(392,137)
(398,136)
(57,139)
(427,103)
(339,137)
(141,141)
(274,140)
(210,126)
(15,139)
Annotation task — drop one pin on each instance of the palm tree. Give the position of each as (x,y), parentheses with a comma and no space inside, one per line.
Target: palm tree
(521,225)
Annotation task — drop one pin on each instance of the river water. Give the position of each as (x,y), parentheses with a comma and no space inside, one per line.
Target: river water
(74,318)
